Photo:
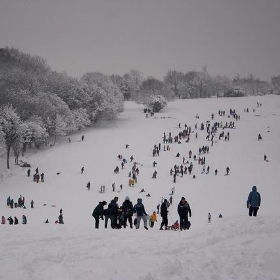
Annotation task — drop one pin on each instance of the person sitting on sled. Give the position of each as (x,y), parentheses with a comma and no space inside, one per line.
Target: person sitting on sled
(175,226)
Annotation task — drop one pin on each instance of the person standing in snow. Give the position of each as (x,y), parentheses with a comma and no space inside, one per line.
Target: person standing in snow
(112,212)
(98,212)
(184,210)
(11,221)
(42,177)
(24,220)
(227,171)
(253,202)
(153,219)
(127,209)
(3,220)
(164,213)
(139,209)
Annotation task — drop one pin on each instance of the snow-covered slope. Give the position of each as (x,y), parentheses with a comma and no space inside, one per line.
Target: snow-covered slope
(234,247)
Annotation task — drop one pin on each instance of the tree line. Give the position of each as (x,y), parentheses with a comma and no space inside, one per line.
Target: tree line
(37,104)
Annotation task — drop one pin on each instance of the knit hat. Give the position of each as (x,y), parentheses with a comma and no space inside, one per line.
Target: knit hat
(126,198)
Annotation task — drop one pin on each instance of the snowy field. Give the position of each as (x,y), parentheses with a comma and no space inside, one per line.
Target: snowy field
(233,247)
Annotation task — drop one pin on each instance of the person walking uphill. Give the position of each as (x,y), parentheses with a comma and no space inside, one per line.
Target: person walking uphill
(112,212)
(98,212)
(184,210)
(254,201)
(127,208)
(164,213)
(139,209)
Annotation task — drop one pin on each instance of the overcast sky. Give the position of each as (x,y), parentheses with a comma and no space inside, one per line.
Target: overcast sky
(153,36)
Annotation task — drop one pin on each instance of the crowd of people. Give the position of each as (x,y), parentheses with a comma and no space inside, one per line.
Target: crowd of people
(122,216)
(214,133)
(130,215)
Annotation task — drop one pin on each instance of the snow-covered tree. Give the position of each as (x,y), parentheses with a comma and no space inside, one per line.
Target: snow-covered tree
(11,128)
(34,131)
(82,118)
(131,84)
(153,87)
(67,88)
(106,98)
(173,79)
(2,142)
(275,80)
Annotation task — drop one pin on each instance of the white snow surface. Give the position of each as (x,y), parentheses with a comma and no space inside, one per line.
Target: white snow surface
(233,247)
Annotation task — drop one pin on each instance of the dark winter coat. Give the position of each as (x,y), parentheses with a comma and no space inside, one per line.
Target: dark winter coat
(11,221)
(98,210)
(112,208)
(254,198)
(127,208)
(163,209)
(184,209)
(139,208)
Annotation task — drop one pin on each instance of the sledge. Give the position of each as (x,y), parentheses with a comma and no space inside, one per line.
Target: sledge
(24,164)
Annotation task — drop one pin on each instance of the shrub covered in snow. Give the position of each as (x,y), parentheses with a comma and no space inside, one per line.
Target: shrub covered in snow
(157,103)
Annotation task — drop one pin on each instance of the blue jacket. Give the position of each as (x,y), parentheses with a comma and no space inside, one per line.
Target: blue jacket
(139,208)
(254,198)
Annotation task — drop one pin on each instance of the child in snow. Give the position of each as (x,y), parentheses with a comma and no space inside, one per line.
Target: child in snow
(153,219)
(175,226)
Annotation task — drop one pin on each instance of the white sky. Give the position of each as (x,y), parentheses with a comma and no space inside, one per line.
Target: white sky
(114,36)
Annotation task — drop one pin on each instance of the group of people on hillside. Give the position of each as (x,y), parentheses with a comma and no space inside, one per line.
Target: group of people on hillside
(187,166)
(36,175)
(16,203)
(122,216)
(13,221)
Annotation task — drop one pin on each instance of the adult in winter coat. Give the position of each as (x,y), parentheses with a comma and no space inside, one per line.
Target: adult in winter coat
(24,220)
(11,221)
(127,209)
(164,213)
(112,212)
(254,201)
(139,209)
(98,212)
(60,218)
(3,220)
(184,210)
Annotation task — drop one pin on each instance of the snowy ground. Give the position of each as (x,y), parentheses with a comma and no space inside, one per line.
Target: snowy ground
(234,247)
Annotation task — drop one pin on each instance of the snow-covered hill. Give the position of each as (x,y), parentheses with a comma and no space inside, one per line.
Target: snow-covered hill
(233,247)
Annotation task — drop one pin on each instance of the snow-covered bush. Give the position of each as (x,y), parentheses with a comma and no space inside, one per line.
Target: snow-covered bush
(157,103)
